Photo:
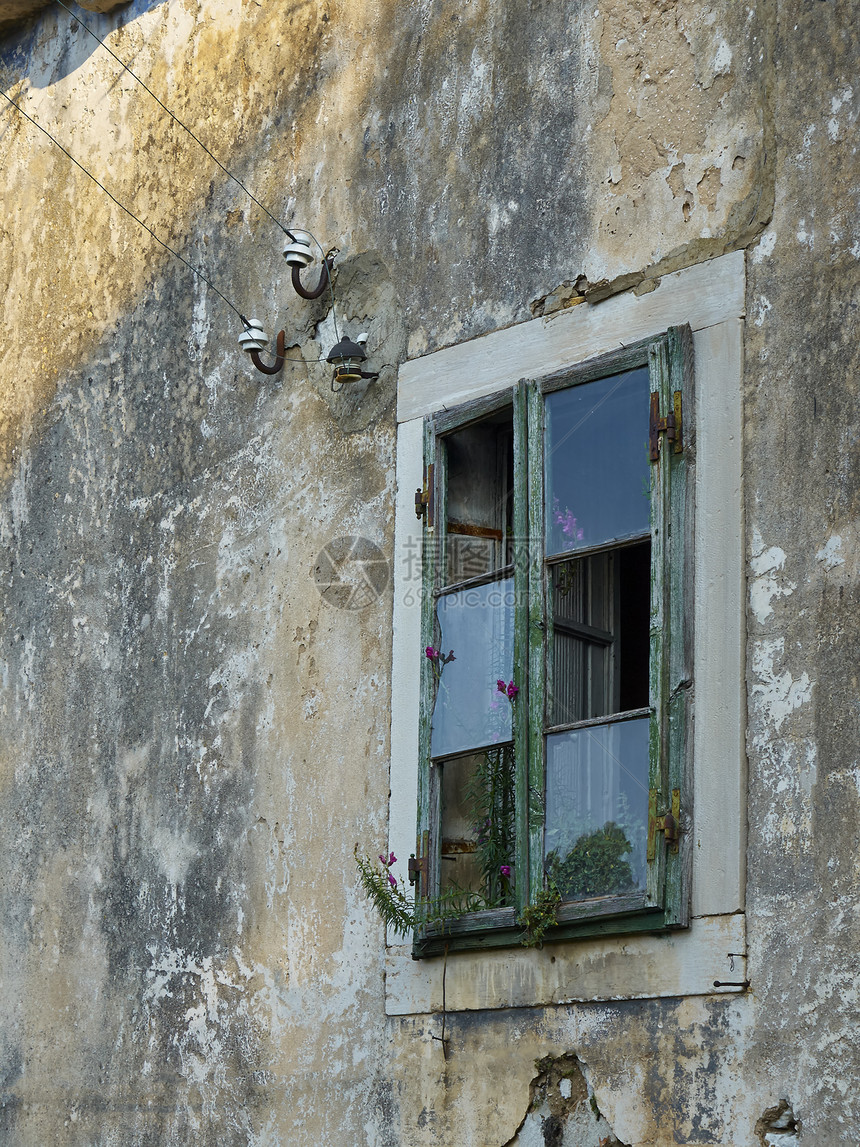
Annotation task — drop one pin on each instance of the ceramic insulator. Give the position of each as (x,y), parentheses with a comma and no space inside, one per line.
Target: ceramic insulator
(254,337)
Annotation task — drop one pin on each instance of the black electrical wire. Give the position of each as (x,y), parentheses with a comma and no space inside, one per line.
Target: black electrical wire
(149,230)
(215,159)
(276,221)
(200,274)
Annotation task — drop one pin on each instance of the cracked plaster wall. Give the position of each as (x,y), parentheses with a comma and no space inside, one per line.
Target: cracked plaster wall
(193,740)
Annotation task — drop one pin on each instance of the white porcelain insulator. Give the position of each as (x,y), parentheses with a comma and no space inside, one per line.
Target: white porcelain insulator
(299,254)
(254,337)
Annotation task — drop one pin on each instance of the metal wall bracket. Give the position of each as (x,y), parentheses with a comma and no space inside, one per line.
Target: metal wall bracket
(323,281)
(280,354)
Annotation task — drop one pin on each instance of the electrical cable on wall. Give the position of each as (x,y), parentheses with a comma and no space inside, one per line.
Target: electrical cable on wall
(176,119)
(129,212)
(294,239)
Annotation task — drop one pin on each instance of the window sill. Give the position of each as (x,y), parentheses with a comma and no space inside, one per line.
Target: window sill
(616,916)
(638,966)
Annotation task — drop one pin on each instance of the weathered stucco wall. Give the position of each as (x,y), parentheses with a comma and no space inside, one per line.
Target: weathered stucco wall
(194,739)
(802,510)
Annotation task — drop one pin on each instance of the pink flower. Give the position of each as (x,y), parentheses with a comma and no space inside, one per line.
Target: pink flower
(501,686)
(392,881)
(392,859)
(431,652)
(512,690)
(567,522)
(505,870)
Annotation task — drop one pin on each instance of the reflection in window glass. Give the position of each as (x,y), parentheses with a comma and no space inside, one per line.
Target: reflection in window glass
(477,626)
(597,468)
(477,808)
(597,809)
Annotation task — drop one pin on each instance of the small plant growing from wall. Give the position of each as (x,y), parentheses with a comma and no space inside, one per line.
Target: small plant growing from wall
(595,866)
(539,916)
(401,911)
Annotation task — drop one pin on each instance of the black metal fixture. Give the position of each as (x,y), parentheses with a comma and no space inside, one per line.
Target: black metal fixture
(346,357)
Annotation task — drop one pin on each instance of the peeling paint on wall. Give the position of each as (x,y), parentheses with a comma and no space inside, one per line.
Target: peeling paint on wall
(194,738)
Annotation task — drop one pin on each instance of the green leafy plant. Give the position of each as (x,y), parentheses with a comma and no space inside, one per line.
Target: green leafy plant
(595,866)
(400,910)
(394,905)
(491,811)
(540,915)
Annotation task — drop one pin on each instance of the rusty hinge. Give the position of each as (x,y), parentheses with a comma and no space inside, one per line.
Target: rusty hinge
(668,824)
(424,497)
(670,426)
(417,868)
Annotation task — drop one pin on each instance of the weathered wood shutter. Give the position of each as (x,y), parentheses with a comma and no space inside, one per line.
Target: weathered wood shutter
(427,797)
(672,451)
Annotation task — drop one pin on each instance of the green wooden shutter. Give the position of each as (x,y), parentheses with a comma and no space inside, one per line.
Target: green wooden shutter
(673,402)
(536,637)
(523,675)
(427,796)
(679,749)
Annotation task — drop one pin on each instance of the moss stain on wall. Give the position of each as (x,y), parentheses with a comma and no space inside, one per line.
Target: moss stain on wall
(194,739)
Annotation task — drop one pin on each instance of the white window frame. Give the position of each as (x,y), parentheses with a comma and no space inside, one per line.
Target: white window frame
(710,298)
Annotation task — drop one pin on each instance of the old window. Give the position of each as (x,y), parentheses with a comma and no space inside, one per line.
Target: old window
(556,689)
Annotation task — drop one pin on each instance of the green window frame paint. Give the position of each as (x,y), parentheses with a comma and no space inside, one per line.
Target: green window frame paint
(660,900)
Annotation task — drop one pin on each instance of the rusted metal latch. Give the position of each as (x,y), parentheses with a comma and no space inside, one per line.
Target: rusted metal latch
(670,426)
(417,867)
(424,497)
(668,824)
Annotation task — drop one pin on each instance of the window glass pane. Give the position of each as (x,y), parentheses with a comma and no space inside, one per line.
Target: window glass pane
(477,626)
(480,460)
(600,634)
(582,645)
(478,827)
(597,468)
(597,809)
